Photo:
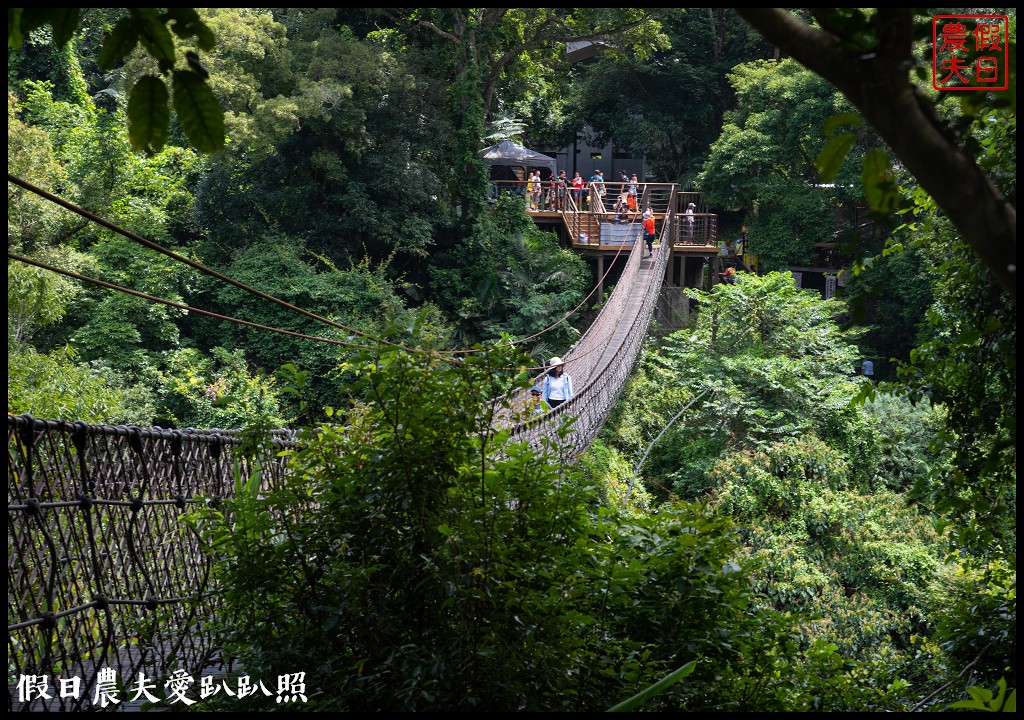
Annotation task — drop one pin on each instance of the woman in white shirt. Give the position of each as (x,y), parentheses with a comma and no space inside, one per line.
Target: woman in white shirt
(557,384)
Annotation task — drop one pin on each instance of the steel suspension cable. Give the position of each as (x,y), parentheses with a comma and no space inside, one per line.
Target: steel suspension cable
(220,276)
(191,263)
(180,306)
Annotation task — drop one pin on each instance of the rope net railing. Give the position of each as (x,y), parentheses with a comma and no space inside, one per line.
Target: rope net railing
(101,573)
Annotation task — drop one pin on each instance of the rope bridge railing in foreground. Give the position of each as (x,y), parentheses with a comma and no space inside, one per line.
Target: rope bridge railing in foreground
(100,572)
(602,360)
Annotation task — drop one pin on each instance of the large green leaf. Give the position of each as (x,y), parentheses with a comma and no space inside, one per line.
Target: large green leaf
(199,112)
(14,37)
(155,37)
(21,21)
(148,114)
(839,120)
(64,22)
(186,24)
(879,182)
(121,41)
(831,157)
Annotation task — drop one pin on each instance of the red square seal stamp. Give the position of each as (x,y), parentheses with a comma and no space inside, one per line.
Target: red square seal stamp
(969,52)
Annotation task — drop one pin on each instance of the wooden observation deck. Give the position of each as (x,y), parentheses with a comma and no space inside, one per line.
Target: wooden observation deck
(593,229)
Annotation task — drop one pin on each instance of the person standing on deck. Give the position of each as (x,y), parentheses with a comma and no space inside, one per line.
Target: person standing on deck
(597,189)
(561,189)
(622,208)
(577,190)
(534,189)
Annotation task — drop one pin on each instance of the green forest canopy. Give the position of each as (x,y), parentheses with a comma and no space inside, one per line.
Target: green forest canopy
(349,185)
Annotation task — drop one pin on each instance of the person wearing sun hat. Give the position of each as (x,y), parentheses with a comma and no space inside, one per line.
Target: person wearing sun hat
(557,386)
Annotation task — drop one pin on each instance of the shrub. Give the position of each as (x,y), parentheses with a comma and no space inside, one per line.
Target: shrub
(414,560)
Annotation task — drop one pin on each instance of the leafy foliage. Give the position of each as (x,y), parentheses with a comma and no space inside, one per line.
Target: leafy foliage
(146,194)
(427,564)
(30,219)
(217,391)
(985,700)
(935,150)
(889,296)
(124,330)
(776,365)
(37,298)
(979,626)
(905,433)
(804,471)
(609,471)
(779,482)
(777,671)
(764,161)
(361,298)
(416,558)
(967,366)
(55,386)
(197,110)
(522,283)
(327,132)
(862,571)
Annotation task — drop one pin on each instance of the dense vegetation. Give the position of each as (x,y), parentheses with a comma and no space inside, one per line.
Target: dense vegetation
(811,540)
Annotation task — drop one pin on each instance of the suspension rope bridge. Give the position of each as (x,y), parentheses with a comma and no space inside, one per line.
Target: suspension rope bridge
(101,573)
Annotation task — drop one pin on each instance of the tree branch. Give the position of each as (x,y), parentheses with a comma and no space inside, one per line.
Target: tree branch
(544,35)
(424,24)
(970,665)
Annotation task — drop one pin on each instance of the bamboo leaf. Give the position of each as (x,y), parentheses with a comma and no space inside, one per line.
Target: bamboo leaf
(657,688)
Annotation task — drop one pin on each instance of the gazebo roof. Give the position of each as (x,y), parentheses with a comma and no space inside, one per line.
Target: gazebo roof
(508,153)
